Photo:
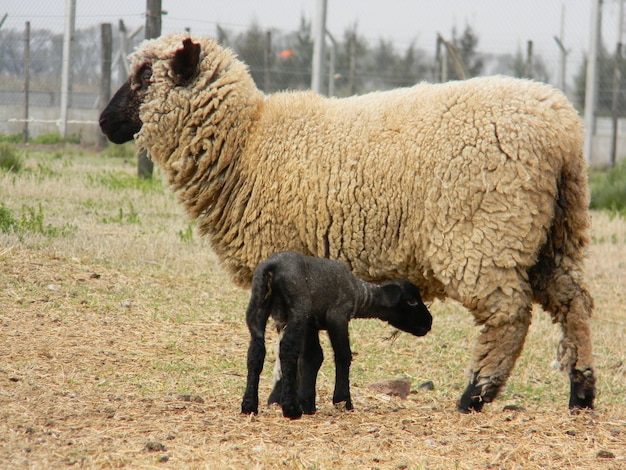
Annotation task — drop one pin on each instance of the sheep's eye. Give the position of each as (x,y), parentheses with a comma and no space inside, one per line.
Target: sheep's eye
(412,303)
(146,75)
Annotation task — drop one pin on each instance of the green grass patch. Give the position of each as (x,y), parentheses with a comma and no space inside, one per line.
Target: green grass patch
(186,235)
(129,216)
(125,151)
(53,138)
(608,189)
(116,181)
(10,159)
(11,138)
(30,221)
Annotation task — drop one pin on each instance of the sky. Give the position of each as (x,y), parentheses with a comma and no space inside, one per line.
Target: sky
(502,26)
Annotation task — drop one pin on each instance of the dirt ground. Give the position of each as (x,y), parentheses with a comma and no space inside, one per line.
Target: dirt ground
(124,347)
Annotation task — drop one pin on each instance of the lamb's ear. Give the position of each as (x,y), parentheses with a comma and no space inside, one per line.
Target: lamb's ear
(389,295)
(185,61)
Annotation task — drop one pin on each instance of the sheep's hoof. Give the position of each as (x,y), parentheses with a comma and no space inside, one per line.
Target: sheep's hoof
(471,400)
(344,405)
(249,406)
(343,399)
(292,410)
(582,389)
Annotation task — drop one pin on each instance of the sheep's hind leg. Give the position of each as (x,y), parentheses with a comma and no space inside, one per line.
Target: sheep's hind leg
(574,354)
(562,292)
(310,363)
(499,345)
(256,319)
(340,341)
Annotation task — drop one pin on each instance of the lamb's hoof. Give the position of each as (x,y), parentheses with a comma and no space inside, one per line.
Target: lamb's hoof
(471,400)
(582,389)
(249,407)
(292,410)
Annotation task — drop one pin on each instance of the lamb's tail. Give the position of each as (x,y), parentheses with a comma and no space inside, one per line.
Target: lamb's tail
(258,311)
(558,281)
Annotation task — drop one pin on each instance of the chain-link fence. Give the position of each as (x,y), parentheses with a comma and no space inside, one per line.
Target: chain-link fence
(280,58)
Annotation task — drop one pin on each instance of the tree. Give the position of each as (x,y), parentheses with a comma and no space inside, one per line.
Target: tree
(250,47)
(295,55)
(390,70)
(466,48)
(351,63)
(515,65)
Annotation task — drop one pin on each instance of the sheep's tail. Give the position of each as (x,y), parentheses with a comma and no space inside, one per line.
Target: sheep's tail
(558,282)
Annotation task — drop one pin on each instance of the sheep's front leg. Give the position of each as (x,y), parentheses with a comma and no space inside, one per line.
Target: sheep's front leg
(310,363)
(499,345)
(340,341)
(289,350)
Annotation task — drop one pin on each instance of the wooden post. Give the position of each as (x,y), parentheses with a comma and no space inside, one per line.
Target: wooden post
(122,62)
(26,80)
(438,71)
(528,72)
(106,37)
(617,78)
(266,61)
(352,71)
(68,58)
(153,30)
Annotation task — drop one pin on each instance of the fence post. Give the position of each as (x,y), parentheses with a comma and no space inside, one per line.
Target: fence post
(591,84)
(26,80)
(528,68)
(66,74)
(153,30)
(319,49)
(106,37)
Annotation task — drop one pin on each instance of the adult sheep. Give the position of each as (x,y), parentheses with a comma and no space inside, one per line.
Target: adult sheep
(473,190)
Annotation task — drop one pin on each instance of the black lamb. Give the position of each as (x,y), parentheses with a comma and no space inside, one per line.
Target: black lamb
(303,295)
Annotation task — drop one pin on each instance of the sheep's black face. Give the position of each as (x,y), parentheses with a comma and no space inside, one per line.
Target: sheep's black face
(409,313)
(120,119)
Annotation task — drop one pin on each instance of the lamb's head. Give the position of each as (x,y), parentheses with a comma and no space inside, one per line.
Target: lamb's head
(400,304)
(121,120)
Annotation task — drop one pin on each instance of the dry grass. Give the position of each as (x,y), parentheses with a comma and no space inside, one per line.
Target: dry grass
(122,344)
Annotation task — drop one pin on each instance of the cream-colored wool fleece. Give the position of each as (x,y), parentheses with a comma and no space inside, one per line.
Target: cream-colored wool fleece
(459,187)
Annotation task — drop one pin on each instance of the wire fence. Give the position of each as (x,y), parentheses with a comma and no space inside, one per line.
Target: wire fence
(280,58)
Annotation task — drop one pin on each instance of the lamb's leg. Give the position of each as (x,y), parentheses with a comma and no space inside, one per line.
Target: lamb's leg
(290,347)
(505,319)
(340,341)
(310,363)
(256,319)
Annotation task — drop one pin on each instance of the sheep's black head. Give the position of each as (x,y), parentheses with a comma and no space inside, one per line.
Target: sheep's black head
(120,119)
(404,307)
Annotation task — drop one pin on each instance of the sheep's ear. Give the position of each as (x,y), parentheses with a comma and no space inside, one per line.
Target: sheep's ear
(185,61)
(389,295)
